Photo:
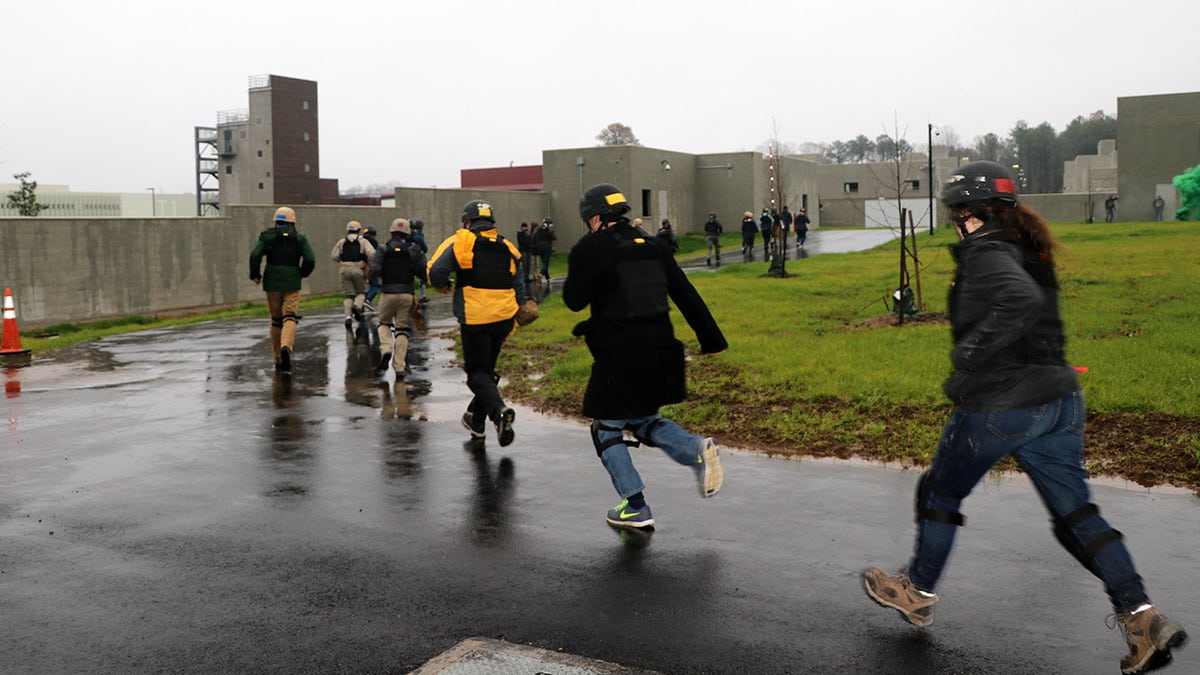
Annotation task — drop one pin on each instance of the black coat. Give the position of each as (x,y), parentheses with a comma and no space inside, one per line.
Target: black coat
(639,365)
(1008,335)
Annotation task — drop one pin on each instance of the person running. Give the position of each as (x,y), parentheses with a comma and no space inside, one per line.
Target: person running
(626,277)
(398,264)
(352,253)
(289,260)
(488,291)
(1014,395)
(749,231)
(712,233)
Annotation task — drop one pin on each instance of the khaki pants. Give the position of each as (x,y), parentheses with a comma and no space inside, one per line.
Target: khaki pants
(354,286)
(283,306)
(394,322)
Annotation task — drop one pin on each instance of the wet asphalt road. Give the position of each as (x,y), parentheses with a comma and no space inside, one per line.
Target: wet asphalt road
(167,503)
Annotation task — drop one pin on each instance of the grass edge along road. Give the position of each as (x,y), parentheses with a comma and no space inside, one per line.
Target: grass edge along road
(816,368)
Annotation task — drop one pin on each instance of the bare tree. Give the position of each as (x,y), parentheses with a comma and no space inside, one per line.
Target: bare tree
(617,134)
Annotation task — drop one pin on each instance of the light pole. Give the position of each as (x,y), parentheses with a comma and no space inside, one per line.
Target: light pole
(932,213)
(153,204)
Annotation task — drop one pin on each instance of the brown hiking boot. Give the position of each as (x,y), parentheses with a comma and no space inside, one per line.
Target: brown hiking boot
(1151,636)
(898,593)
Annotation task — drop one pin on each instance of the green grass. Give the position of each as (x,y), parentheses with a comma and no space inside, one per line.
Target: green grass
(806,365)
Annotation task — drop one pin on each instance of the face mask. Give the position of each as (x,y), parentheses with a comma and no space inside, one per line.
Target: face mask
(351,237)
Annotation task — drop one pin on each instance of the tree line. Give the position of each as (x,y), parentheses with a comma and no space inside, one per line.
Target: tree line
(1039,151)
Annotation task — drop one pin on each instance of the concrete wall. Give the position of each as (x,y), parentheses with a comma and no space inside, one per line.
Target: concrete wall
(1160,139)
(441,210)
(63,270)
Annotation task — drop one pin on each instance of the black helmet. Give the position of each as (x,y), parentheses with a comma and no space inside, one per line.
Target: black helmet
(980,181)
(477,209)
(604,199)
(547,220)
(369,229)
(418,224)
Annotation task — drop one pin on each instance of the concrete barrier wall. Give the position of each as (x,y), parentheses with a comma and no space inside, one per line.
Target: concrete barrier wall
(65,270)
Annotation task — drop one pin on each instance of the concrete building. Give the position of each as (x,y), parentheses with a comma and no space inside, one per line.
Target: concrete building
(61,202)
(268,153)
(1160,139)
(1095,174)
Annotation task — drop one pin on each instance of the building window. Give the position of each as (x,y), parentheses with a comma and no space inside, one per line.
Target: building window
(242,133)
(258,120)
(304,105)
(260,153)
(228,168)
(850,186)
(307,168)
(914,184)
(645,203)
(306,137)
(260,186)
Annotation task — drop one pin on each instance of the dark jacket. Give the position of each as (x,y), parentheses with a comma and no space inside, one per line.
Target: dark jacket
(418,238)
(765,223)
(524,241)
(543,240)
(626,278)
(667,235)
(289,259)
(712,227)
(397,263)
(801,223)
(1009,347)
(749,228)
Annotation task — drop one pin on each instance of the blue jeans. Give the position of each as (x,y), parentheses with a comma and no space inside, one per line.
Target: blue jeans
(681,446)
(1047,441)
(545,256)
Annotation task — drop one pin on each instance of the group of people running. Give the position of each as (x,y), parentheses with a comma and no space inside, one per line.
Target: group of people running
(1013,390)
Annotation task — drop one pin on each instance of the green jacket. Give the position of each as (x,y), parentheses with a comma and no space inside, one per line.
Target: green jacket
(289,259)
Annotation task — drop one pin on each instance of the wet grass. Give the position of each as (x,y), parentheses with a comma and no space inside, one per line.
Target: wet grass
(817,366)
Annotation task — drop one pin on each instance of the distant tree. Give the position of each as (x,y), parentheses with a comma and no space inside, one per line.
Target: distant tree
(617,134)
(860,149)
(25,200)
(1038,156)
(990,147)
(838,152)
(1083,134)
(385,188)
(888,149)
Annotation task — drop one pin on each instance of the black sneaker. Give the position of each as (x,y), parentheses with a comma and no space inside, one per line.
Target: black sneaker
(384,360)
(285,359)
(468,421)
(349,323)
(504,426)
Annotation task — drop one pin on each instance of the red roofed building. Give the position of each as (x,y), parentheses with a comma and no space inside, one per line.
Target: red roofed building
(520,178)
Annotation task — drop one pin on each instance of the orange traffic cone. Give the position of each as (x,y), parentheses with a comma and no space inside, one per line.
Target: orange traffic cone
(11,354)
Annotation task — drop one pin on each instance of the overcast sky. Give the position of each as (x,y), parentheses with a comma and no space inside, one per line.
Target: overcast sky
(103,96)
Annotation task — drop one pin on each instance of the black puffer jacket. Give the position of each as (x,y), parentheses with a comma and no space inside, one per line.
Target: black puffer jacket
(1008,334)
(626,277)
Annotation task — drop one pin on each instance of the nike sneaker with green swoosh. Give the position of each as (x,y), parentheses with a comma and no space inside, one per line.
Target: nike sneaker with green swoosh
(624,515)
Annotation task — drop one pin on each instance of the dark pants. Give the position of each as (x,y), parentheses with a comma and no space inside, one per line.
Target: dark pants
(481,347)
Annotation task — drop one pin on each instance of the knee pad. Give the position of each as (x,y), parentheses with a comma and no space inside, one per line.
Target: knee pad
(389,325)
(277,323)
(405,331)
(596,427)
(1085,552)
(925,485)
(294,318)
